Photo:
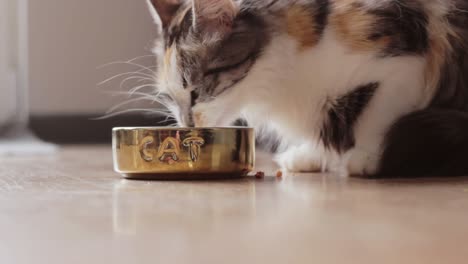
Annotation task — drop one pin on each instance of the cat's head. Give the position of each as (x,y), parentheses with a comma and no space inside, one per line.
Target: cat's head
(206,48)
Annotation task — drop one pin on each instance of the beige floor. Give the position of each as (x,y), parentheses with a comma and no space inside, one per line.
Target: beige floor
(72,208)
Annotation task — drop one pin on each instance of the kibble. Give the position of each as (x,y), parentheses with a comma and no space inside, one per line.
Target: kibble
(260,175)
(279,174)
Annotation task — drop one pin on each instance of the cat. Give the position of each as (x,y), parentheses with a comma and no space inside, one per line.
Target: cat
(375,88)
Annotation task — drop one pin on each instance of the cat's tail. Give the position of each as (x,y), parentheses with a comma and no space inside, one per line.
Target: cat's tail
(428,143)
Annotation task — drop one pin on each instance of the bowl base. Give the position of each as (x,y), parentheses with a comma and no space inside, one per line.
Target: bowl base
(182,176)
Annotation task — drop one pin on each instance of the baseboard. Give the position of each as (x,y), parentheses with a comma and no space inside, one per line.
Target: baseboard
(83,129)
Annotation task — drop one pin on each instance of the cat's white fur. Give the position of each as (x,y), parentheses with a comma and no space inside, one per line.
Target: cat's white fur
(287,90)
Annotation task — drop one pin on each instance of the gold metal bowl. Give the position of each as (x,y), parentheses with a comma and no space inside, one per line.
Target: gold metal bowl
(183,153)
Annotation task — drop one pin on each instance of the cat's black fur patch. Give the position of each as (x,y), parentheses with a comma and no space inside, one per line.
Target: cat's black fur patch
(272,2)
(434,142)
(426,144)
(321,15)
(193,98)
(452,91)
(268,142)
(241,123)
(338,130)
(404,22)
(175,32)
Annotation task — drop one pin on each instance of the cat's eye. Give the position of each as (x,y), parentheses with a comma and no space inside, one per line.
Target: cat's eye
(228,67)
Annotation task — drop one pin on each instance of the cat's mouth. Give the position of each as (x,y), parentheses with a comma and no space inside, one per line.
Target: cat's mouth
(191,122)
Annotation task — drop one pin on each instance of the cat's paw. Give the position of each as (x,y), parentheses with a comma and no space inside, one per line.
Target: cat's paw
(362,163)
(299,159)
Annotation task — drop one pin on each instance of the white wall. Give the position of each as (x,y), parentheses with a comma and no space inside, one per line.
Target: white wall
(7,59)
(69,39)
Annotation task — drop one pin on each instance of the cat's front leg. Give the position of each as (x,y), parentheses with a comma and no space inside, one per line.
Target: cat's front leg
(363,162)
(364,158)
(302,158)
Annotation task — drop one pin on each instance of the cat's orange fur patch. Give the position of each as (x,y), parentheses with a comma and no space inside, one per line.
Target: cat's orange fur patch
(353,26)
(437,53)
(167,62)
(168,55)
(301,25)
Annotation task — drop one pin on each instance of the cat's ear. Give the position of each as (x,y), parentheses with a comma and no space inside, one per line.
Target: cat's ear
(163,10)
(214,15)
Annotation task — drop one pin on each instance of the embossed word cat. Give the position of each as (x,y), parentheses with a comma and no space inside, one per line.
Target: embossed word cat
(169,150)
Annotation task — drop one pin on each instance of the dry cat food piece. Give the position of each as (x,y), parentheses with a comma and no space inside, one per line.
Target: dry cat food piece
(260,175)
(279,174)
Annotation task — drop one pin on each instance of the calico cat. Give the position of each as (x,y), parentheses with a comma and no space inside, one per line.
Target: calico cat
(362,87)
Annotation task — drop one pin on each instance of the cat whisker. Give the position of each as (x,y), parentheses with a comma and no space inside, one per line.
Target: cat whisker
(117,93)
(139,110)
(142,67)
(136,89)
(124,74)
(153,97)
(143,98)
(168,119)
(128,61)
(138,78)
(143,56)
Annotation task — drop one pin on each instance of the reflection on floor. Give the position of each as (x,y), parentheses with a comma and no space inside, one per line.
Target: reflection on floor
(72,208)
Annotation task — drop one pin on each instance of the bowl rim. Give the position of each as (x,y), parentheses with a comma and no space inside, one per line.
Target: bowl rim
(156,128)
